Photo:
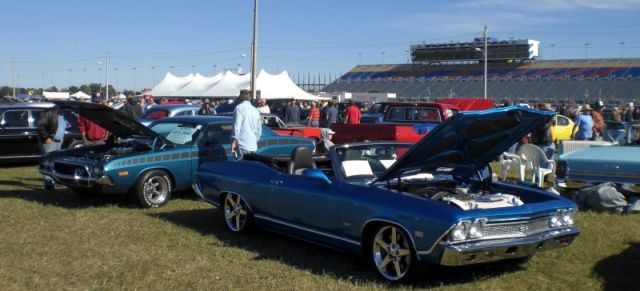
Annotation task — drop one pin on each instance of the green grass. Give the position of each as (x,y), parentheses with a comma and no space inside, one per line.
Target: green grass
(54,240)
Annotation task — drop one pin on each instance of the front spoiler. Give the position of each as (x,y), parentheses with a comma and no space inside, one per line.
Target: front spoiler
(491,251)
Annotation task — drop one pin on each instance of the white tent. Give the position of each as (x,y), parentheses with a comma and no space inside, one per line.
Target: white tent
(80,95)
(171,84)
(281,86)
(198,85)
(55,95)
(229,84)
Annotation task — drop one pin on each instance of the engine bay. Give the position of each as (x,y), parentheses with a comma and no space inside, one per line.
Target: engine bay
(110,151)
(462,196)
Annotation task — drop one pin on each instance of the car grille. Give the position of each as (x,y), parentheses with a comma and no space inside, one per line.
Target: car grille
(516,229)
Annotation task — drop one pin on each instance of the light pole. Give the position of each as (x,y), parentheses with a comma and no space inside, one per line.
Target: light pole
(134,81)
(553,46)
(359,59)
(586,45)
(382,53)
(484,52)
(622,49)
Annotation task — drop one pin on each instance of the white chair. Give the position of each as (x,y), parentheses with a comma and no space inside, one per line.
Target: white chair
(534,160)
(510,160)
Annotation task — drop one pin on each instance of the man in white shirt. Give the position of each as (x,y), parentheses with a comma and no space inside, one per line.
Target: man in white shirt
(247,127)
(262,106)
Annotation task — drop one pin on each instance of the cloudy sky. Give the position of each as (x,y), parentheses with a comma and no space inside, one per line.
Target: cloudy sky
(66,42)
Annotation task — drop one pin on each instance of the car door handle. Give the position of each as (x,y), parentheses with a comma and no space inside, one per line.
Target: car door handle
(276,182)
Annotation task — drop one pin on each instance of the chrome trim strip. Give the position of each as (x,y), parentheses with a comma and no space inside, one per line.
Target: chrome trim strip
(198,191)
(602,174)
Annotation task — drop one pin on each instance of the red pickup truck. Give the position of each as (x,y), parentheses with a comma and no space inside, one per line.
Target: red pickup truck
(407,122)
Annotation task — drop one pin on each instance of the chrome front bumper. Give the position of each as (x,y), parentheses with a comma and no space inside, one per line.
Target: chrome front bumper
(497,250)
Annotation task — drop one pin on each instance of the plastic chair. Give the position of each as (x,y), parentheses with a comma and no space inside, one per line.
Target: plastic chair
(511,160)
(534,160)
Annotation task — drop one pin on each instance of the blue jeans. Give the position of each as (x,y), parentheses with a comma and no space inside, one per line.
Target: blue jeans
(548,149)
(47,148)
(315,123)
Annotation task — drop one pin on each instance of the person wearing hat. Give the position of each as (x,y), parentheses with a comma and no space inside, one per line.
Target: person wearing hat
(543,137)
(584,124)
(325,143)
(598,121)
(205,109)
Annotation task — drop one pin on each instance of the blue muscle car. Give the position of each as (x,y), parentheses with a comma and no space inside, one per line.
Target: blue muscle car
(150,162)
(598,164)
(401,205)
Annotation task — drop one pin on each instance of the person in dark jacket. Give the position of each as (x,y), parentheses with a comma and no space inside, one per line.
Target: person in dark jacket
(51,128)
(133,108)
(206,108)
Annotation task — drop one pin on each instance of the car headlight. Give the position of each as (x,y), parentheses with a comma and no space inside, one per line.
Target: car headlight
(459,232)
(476,230)
(97,170)
(567,216)
(466,229)
(562,217)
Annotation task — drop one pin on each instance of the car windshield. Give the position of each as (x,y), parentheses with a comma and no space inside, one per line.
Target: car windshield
(368,161)
(273,122)
(178,132)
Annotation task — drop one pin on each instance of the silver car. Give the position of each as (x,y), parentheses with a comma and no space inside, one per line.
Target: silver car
(167,110)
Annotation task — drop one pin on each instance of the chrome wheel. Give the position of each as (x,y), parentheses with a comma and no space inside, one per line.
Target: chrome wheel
(236,213)
(392,253)
(155,189)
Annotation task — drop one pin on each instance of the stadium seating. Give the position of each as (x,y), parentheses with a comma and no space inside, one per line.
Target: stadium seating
(611,80)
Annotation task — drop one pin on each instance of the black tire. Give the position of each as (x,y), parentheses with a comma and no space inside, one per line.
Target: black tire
(391,253)
(153,189)
(523,260)
(237,215)
(83,192)
(76,144)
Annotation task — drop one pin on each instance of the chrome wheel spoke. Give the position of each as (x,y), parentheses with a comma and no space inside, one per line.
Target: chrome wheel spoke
(383,264)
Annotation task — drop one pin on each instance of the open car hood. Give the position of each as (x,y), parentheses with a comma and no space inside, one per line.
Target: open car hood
(108,118)
(467,141)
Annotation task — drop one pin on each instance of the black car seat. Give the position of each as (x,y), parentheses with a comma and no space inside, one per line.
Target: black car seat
(300,160)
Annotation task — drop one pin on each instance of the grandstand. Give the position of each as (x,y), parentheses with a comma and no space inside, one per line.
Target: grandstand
(439,72)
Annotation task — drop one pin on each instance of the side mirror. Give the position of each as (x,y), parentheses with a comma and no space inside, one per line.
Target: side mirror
(315,174)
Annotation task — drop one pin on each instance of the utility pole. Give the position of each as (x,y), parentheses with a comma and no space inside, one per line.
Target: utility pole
(254,50)
(106,87)
(13,61)
(485,61)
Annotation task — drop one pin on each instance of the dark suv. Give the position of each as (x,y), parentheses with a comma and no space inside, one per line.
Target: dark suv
(19,140)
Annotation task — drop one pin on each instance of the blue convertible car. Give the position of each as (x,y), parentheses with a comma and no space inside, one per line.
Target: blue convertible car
(401,205)
(150,162)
